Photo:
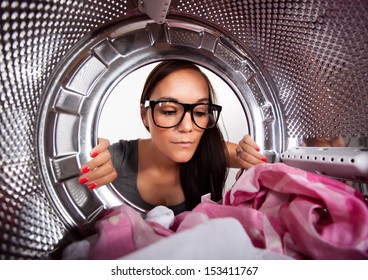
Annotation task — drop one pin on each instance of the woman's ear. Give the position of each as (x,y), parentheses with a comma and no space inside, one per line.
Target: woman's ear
(144,116)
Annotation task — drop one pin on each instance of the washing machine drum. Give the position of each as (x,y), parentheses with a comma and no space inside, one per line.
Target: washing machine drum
(298,70)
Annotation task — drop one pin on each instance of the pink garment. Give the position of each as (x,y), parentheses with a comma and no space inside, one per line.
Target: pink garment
(309,215)
(283,209)
(122,231)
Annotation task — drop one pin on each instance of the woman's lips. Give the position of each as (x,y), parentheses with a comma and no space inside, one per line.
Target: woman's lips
(183,144)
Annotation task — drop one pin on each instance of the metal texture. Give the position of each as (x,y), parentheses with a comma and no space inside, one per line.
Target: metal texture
(76,96)
(304,63)
(338,162)
(315,52)
(156,10)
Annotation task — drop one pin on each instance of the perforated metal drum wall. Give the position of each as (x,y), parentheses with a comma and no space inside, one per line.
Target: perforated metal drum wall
(35,35)
(315,53)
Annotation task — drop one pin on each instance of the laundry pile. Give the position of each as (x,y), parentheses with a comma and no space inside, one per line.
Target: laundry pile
(273,211)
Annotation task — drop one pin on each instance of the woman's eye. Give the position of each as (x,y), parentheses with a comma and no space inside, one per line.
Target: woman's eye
(168,112)
(200,113)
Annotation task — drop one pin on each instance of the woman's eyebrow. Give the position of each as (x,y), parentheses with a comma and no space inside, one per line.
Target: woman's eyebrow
(165,98)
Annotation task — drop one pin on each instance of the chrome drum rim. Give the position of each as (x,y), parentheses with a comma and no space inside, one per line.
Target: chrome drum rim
(75,95)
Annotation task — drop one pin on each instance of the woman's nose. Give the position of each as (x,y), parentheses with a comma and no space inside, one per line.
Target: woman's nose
(186,124)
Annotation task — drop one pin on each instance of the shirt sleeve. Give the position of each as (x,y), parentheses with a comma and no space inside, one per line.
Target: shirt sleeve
(118,153)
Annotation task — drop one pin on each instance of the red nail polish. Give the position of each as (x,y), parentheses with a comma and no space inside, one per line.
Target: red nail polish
(258,149)
(92,186)
(95,154)
(264,159)
(85,170)
(82,181)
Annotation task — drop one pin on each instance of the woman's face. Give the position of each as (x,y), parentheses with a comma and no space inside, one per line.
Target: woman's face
(180,142)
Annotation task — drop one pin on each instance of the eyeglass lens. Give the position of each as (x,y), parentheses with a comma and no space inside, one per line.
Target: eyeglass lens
(170,114)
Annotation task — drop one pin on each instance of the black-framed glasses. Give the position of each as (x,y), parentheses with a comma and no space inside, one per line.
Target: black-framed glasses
(169,113)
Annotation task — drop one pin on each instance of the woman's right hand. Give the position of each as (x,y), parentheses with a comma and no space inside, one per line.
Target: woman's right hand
(100,170)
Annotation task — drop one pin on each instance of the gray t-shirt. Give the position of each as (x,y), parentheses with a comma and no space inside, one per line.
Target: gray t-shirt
(125,160)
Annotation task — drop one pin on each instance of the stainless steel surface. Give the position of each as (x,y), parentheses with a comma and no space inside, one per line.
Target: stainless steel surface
(156,10)
(339,162)
(89,74)
(298,67)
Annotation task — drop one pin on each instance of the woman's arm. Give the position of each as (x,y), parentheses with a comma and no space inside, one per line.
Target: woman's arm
(245,154)
(99,170)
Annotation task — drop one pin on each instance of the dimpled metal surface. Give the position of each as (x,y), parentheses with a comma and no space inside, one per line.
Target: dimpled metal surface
(315,52)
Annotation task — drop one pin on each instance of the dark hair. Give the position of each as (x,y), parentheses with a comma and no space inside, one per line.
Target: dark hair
(202,174)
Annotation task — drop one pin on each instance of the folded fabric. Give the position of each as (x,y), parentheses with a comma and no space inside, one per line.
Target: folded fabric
(122,231)
(215,239)
(283,210)
(299,213)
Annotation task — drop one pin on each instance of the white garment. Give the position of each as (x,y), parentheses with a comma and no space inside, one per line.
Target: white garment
(221,239)
(77,250)
(161,215)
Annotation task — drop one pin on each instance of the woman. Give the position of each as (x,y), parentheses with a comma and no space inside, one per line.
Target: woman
(186,156)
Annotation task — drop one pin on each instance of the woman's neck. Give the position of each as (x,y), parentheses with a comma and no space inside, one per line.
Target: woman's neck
(158,179)
(154,158)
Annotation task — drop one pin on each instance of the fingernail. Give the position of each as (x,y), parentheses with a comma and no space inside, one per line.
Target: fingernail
(85,170)
(92,186)
(95,154)
(264,159)
(258,149)
(82,181)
